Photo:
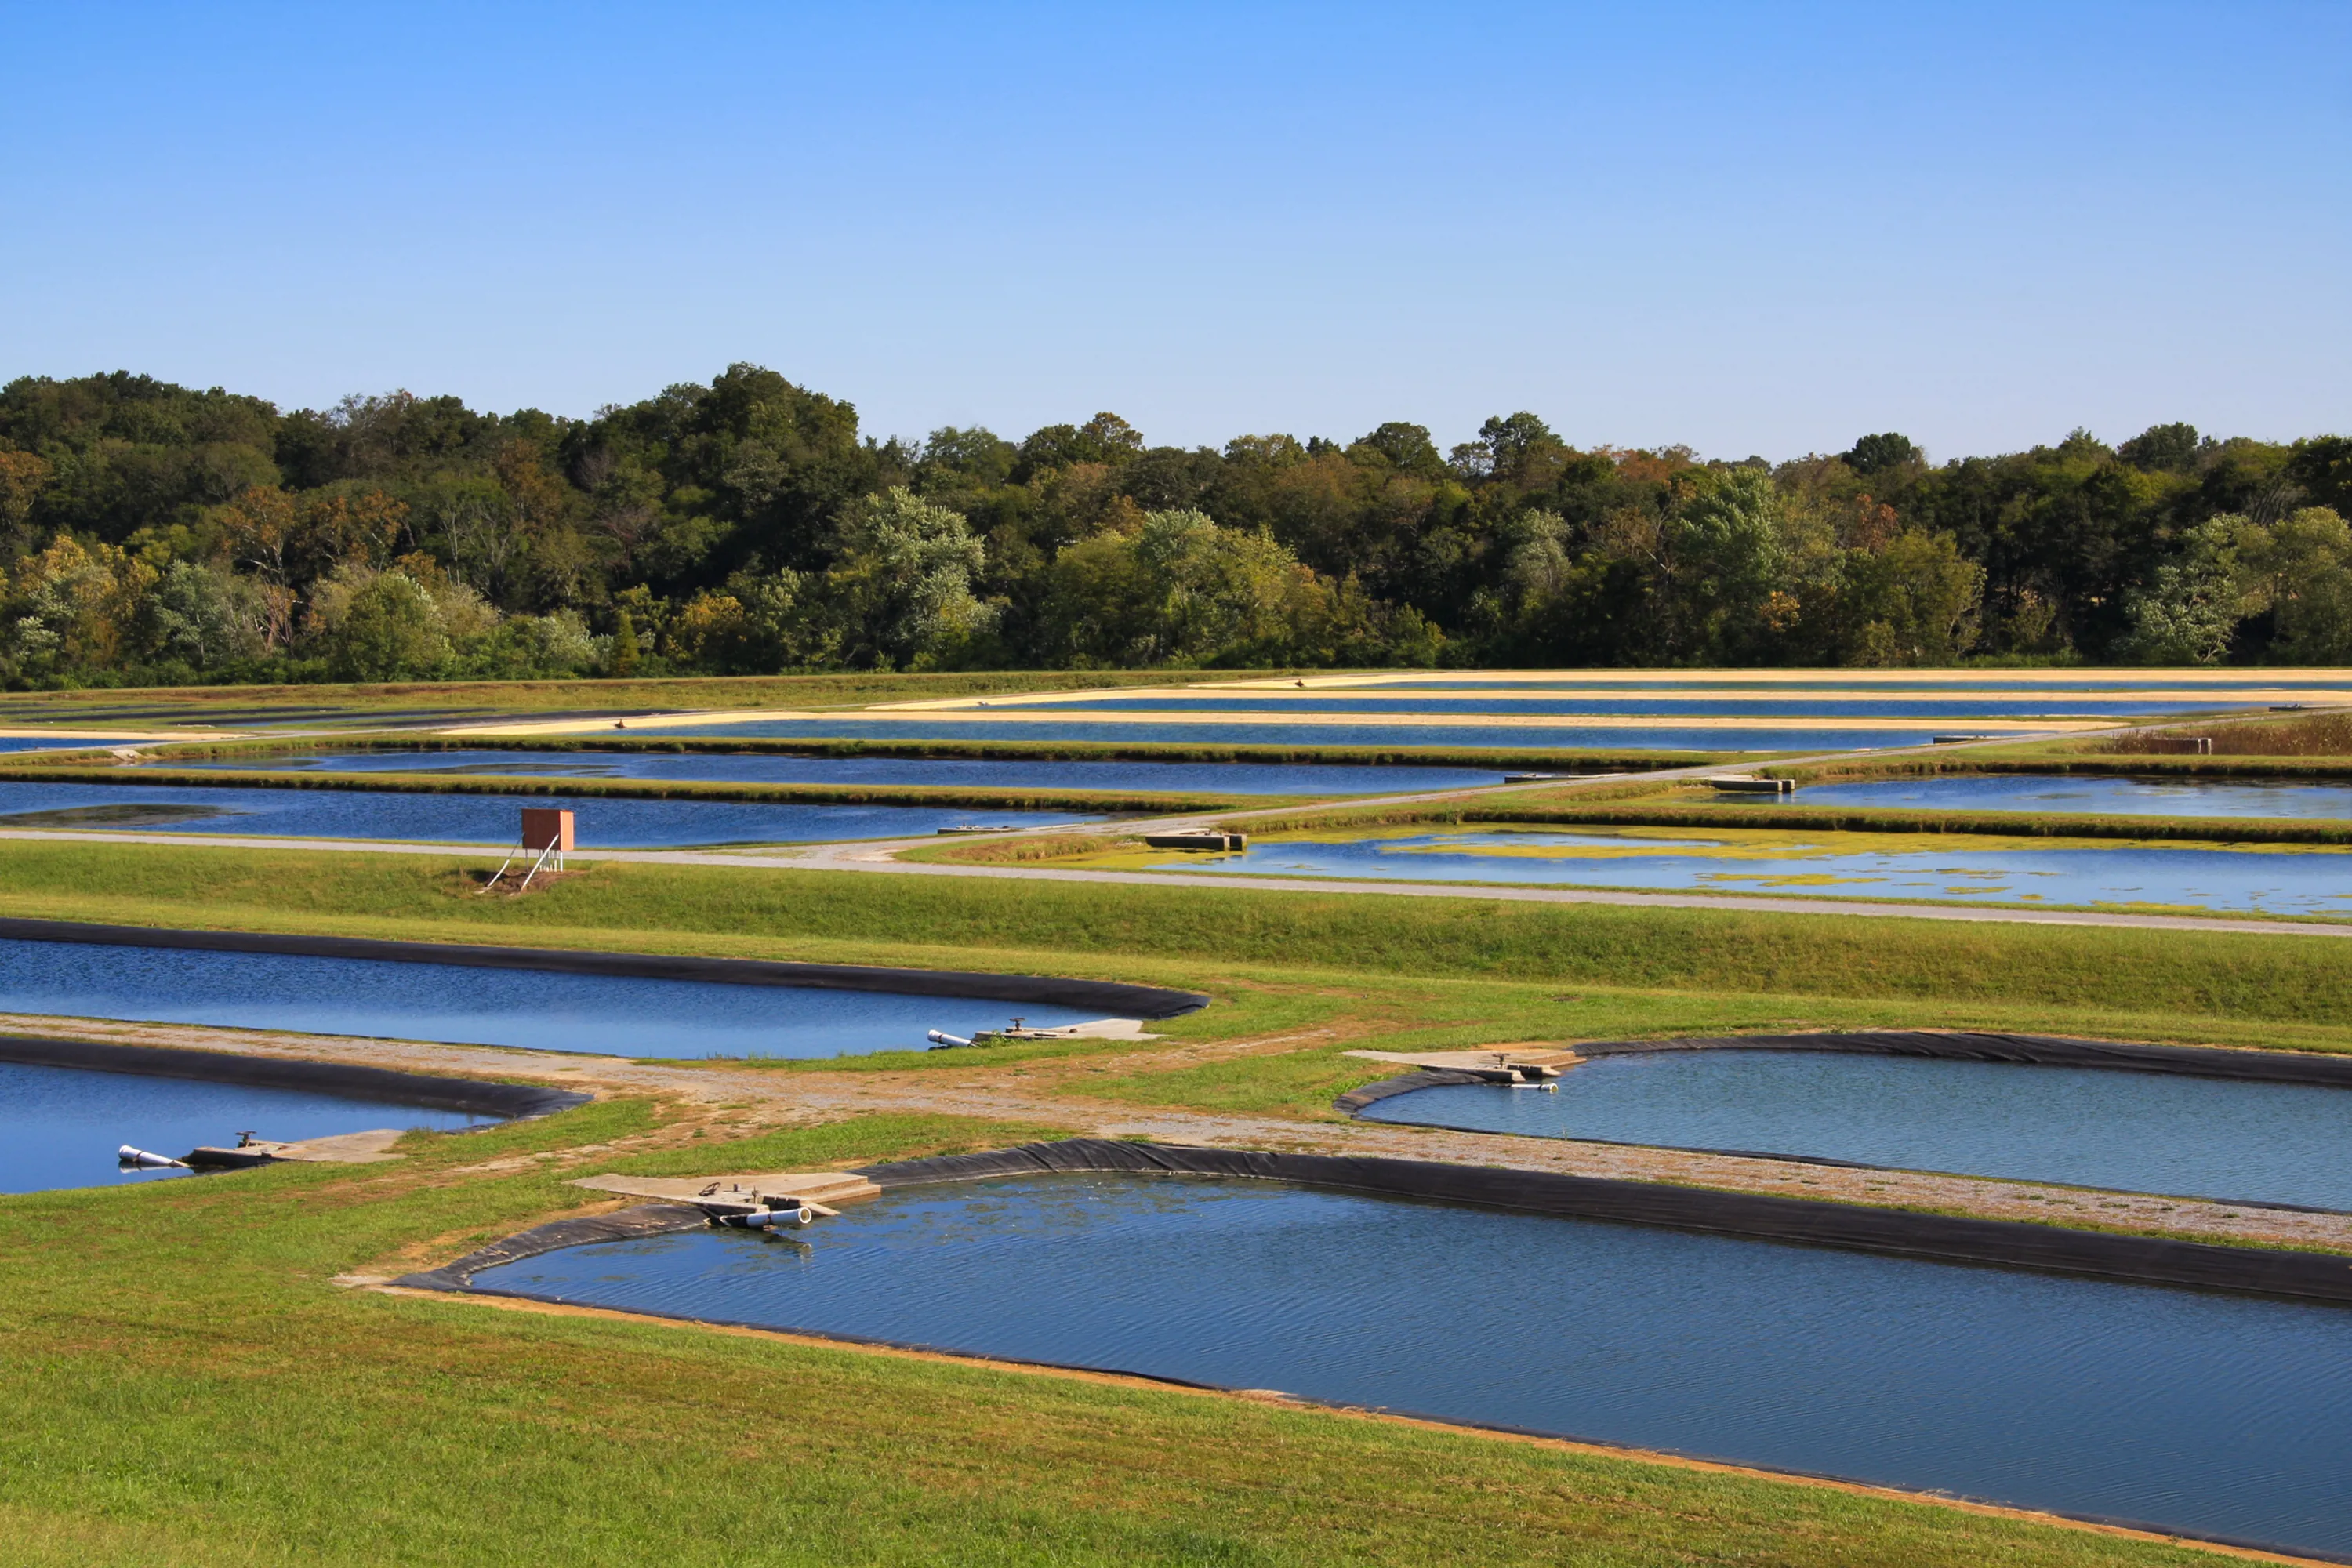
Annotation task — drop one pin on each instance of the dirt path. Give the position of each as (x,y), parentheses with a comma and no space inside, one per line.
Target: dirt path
(1057,1093)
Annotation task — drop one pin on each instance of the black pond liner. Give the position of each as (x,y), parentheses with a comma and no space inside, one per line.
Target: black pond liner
(1113,997)
(1801,1221)
(2044,1050)
(508,1102)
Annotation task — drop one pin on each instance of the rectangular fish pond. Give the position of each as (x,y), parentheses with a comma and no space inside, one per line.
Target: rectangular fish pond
(485,819)
(537,1009)
(2210,1413)
(2094,1127)
(2088,793)
(59,1127)
(974,773)
(1292,729)
(2159,877)
(1835,703)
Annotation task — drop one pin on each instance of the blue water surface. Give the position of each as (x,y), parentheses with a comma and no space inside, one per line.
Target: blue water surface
(1220,778)
(2259,682)
(1453,737)
(2263,1143)
(2195,1412)
(1829,704)
(489,819)
(59,1127)
(1938,867)
(2122,796)
(538,1009)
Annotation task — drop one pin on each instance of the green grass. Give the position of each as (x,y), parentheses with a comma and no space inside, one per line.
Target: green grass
(190,1387)
(1648,804)
(1182,934)
(981,797)
(194,704)
(1489,759)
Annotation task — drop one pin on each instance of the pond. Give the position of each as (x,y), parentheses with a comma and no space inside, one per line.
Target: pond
(538,1009)
(59,1127)
(1215,778)
(1830,703)
(2293,879)
(485,819)
(2095,1127)
(2203,1412)
(2115,796)
(1281,730)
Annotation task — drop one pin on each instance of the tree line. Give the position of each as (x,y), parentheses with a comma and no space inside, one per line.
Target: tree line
(151,534)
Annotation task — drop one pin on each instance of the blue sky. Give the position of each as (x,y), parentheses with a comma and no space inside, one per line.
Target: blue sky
(1749,227)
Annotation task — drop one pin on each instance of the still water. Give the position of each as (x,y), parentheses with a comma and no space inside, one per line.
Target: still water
(2153,1132)
(1219,778)
(488,819)
(2300,879)
(2115,795)
(538,1009)
(1835,703)
(2205,1413)
(1274,733)
(59,1127)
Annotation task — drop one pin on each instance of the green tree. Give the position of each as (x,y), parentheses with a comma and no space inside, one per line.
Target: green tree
(902,590)
(390,629)
(1914,602)
(2300,569)
(2190,611)
(1876,454)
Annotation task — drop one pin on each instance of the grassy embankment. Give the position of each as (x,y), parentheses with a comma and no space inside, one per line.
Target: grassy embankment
(1104,802)
(189,1387)
(331,703)
(2307,745)
(1343,971)
(1653,804)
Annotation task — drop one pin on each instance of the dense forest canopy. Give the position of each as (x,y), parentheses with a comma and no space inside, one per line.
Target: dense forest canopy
(153,534)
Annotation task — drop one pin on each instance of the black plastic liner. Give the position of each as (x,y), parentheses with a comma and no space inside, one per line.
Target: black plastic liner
(511,1101)
(621,1225)
(1114,999)
(2048,1050)
(2148,1260)
(1355,1099)
(659,1219)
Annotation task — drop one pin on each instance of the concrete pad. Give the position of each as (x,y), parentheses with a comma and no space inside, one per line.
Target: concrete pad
(1477,1061)
(814,1186)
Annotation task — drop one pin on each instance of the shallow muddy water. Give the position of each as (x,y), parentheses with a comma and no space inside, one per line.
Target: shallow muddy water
(538,1009)
(2263,1143)
(59,1127)
(2197,1412)
(1941,868)
(485,819)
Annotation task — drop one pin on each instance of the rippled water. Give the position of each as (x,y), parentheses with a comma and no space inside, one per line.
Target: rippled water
(2126,796)
(487,819)
(1220,778)
(59,1127)
(538,1009)
(1938,867)
(2198,1412)
(1515,737)
(2268,1142)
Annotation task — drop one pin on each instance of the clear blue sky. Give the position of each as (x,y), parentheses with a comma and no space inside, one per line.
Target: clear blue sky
(1751,227)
